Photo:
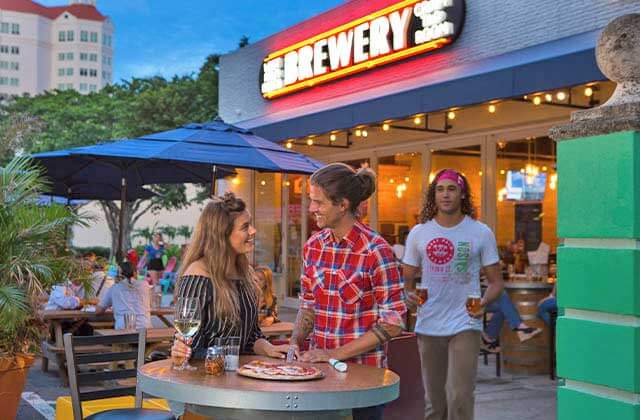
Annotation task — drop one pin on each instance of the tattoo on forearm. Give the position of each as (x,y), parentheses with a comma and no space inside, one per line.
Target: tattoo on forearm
(303,326)
(382,334)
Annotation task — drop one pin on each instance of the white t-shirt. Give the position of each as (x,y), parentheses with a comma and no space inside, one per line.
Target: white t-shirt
(129,299)
(451,259)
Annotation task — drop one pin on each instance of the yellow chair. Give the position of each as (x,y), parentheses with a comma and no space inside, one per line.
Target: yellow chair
(64,408)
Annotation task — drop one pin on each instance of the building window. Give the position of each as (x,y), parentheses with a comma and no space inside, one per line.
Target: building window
(84,36)
(14,81)
(4,27)
(93,57)
(93,88)
(4,65)
(69,71)
(61,86)
(60,56)
(4,80)
(15,65)
(83,87)
(15,29)
(69,85)
(60,72)
(69,36)
(69,56)
(4,49)
(94,37)
(15,50)
(93,72)
(106,40)
(62,36)
(83,72)
(83,56)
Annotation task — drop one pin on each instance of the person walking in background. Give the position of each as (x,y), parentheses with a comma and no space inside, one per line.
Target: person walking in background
(450,247)
(351,300)
(127,296)
(153,254)
(268,306)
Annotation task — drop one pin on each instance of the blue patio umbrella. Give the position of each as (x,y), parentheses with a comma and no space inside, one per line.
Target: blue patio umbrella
(192,153)
(47,200)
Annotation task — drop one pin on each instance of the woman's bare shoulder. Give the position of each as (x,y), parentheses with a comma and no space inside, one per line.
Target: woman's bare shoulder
(196,268)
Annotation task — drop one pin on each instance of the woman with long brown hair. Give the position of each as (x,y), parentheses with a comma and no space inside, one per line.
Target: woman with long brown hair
(216,271)
(268,301)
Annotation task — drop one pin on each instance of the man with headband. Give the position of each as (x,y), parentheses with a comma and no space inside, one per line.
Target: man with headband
(450,247)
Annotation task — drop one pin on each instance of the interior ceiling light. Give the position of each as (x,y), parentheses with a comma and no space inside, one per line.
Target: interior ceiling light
(548,97)
(289,145)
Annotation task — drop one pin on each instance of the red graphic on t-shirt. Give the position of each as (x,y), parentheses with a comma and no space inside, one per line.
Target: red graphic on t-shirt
(440,250)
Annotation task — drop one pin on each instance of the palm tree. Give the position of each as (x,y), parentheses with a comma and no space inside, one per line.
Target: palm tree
(146,233)
(32,254)
(169,232)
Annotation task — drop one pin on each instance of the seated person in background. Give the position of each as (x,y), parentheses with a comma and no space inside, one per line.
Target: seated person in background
(127,296)
(68,295)
(100,282)
(268,306)
(501,309)
(547,305)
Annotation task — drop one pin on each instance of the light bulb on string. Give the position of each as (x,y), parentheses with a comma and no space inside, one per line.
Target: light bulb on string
(386,127)
(332,137)
(451,115)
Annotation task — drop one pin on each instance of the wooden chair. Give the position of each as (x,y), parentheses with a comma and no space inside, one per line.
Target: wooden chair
(79,378)
(403,358)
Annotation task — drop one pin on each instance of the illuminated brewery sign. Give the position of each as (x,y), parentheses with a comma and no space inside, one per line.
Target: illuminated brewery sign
(399,31)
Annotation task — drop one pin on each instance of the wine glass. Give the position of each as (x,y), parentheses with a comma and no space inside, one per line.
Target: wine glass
(187,322)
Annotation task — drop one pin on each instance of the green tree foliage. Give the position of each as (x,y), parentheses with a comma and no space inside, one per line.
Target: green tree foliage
(61,119)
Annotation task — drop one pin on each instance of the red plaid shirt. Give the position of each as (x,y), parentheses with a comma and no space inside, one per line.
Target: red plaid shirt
(351,285)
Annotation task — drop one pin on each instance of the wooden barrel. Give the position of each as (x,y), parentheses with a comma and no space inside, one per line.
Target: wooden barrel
(532,356)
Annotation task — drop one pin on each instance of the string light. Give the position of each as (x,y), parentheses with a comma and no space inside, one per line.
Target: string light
(309,141)
(289,145)
(385,127)
(365,133)
(537,100)
(358,132)
(332,137)
(480,173)
(588,91)
(235,181)
(451,115)
(492,109)
(392,181)
(287,183)
(544,169)
(502,172)
(548,97)
(561,96)
(417,120)
(406,179)
(263,182)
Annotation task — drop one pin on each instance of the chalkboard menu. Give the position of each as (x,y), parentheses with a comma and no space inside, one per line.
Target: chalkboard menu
(529,224)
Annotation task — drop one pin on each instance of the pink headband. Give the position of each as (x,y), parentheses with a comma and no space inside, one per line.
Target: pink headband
(452,175)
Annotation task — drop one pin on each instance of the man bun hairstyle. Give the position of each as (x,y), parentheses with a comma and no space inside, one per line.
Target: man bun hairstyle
(340,181)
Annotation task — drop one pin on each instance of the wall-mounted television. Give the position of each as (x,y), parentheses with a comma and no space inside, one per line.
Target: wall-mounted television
(521,187)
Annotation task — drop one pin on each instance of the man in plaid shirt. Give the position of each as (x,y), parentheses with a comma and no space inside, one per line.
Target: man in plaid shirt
(352,297)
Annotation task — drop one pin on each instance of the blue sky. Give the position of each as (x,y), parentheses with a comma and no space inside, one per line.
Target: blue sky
(162,37)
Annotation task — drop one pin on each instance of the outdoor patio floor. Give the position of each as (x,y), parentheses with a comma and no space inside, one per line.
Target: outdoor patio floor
(506,398)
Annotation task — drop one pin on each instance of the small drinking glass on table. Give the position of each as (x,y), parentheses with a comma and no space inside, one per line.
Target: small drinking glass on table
(129,321)
(232,353)
(187,322)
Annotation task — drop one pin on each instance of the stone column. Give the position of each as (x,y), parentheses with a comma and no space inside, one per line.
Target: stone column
(598,335)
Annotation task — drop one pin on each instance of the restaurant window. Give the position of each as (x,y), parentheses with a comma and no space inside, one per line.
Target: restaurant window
(465,160)
(268,221)
(526,205)
(295,188)
(84,36)
(399,196)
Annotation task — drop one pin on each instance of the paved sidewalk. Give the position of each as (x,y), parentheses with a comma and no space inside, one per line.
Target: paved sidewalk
(507,398)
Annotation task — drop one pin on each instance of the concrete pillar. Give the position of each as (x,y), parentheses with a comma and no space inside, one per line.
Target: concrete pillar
(598,334)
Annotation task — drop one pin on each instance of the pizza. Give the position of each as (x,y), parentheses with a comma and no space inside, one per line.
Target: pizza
(279,371)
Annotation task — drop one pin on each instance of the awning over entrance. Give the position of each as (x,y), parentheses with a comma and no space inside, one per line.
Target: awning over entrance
(565,62)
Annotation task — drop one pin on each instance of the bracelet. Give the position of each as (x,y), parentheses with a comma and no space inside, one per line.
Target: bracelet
(381,333)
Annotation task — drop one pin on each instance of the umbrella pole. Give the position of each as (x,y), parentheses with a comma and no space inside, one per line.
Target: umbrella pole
(123,203)
(213,181)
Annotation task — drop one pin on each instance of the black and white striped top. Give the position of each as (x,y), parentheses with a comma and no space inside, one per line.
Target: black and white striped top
(248,329)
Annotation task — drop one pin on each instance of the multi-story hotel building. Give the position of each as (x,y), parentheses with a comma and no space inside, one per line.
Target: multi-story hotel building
(62,47)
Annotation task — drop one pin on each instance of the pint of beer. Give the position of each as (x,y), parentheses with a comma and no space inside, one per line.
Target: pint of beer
(422,292)
(473,303)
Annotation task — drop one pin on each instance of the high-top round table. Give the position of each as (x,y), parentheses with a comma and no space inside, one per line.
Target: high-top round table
(231,396)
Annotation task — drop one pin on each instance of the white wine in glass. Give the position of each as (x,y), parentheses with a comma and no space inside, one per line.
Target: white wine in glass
(187,322)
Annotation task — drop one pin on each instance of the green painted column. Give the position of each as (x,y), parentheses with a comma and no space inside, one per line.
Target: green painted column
(598,335)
